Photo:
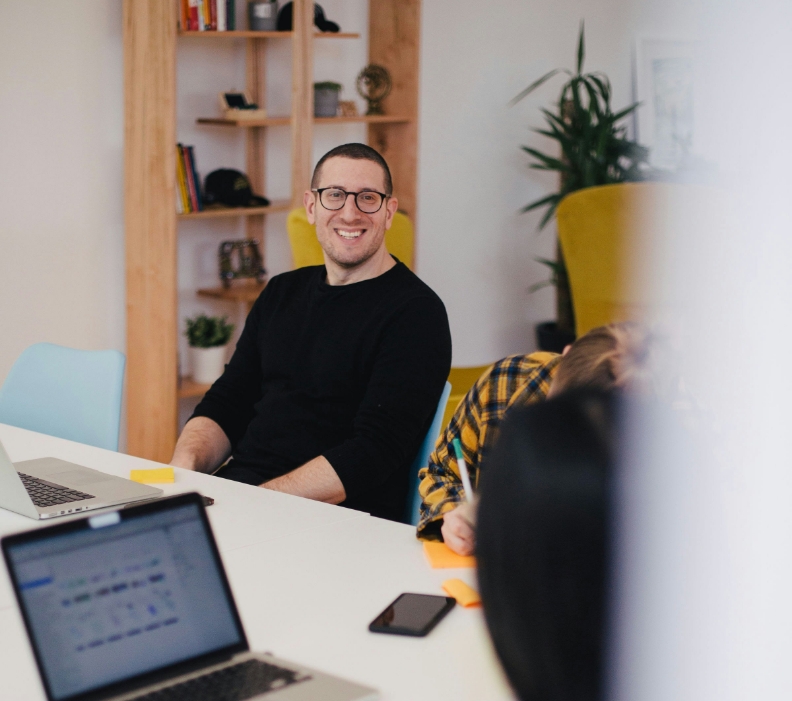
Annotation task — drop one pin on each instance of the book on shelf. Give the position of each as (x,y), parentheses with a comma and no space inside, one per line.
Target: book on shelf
(207,15)
(192,14)
(188,182)
(181,181)
(196,181)
(221,15)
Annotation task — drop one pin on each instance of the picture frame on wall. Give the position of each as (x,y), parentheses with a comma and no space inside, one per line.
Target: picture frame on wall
(664,85)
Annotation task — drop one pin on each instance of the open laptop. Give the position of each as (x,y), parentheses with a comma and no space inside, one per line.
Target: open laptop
(135,604)
(48,487)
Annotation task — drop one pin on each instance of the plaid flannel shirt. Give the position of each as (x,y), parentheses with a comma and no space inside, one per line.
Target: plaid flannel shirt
(516,379)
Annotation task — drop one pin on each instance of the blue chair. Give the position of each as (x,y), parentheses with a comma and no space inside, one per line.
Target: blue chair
(422,459)
(65,392)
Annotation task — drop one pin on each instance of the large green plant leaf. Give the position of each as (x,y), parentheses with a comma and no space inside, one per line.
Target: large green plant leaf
(591,138)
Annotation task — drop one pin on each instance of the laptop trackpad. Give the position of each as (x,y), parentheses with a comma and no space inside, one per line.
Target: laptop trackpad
(79,478)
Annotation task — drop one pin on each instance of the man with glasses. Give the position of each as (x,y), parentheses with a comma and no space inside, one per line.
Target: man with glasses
(338,371)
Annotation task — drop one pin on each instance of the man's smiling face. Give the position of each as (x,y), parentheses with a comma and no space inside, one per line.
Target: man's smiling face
(349,237)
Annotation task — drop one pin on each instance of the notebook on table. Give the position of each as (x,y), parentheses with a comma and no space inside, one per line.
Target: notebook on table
(135,604)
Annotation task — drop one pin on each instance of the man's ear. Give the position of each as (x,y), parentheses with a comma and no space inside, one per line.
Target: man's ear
(390,208)
(310,206)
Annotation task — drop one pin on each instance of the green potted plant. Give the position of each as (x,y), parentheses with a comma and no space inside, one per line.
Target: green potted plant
(208,337)
(326,98)
(594,150)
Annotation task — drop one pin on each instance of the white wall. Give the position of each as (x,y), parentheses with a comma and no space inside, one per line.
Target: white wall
(61,175)
(61,133)
(474,249)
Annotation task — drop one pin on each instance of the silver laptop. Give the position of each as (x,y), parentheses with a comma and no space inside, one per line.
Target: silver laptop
(135,604)
(48,487)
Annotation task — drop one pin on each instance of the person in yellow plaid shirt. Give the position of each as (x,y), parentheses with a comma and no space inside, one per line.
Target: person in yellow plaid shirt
(517,379)
(605,357)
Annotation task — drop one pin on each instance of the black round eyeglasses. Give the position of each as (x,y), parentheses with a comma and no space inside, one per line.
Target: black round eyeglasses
(334,198)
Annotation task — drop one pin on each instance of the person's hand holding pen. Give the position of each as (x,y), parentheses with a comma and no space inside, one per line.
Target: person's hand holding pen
(459,525)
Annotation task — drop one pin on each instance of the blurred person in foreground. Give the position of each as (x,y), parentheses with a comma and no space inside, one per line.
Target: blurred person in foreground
(607,357)
(544,544)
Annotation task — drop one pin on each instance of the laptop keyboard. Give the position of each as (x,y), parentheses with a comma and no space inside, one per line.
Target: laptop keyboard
(241,681)
(44,494)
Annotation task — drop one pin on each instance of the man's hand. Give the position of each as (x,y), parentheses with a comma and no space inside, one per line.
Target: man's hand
(203,446)
(459,527)
(315,480)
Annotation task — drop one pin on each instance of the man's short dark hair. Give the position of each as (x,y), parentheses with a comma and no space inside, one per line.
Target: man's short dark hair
(358,152)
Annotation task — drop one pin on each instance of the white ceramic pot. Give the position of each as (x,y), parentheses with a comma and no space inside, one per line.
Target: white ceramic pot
(208,363)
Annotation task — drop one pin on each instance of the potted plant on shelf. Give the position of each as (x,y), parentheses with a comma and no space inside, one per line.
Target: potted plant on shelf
(326,98)
(595,150)
(208,337)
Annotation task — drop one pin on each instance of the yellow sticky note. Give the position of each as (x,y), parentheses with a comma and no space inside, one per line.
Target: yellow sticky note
(441,556)
(464,594)
(158,476)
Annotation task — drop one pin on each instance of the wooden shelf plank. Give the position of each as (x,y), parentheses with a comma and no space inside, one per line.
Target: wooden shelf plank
(282,121)
(212,212)
(190,388)
(238,293)
(336,35)
(268,122)
(247,34)
(375,119)
(237,34)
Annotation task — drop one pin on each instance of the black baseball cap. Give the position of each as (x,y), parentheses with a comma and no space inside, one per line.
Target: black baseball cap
(231,188)
(286,22)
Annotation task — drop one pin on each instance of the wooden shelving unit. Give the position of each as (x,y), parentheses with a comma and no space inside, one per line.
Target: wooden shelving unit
(150,38)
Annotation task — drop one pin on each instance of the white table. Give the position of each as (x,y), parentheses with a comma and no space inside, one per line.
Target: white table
(307,578)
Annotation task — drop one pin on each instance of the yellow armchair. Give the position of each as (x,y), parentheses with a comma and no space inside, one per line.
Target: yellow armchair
(600,229)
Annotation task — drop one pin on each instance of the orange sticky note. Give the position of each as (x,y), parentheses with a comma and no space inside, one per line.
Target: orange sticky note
(159,476)
(441,556)
(464,594)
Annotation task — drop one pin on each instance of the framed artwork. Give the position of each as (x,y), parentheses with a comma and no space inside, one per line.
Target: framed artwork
(664,80)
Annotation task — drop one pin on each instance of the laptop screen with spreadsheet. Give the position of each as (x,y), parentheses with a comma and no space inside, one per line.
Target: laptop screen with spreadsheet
(122,594)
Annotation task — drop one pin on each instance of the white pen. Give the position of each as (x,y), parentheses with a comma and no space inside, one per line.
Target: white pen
(463,472)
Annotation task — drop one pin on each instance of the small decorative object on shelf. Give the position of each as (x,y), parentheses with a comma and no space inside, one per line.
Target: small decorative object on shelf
(237,106)
(263,15)
(374,85)
(326,98)
(347,108)
(239,260)
(231,188)
(208,337)
(286,19)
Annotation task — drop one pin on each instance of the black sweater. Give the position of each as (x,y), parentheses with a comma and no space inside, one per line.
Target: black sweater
(351,372)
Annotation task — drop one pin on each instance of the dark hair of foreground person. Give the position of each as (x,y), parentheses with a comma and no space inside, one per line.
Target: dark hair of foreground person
(544,544)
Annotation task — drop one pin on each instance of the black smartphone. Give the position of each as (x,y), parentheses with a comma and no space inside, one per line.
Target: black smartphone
(412,614)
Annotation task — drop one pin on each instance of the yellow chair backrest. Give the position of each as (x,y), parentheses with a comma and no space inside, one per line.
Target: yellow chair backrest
(461,379)
(603,231)
(399,239)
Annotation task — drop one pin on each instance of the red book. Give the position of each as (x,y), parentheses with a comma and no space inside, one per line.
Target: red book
(213,14)
(193,5)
